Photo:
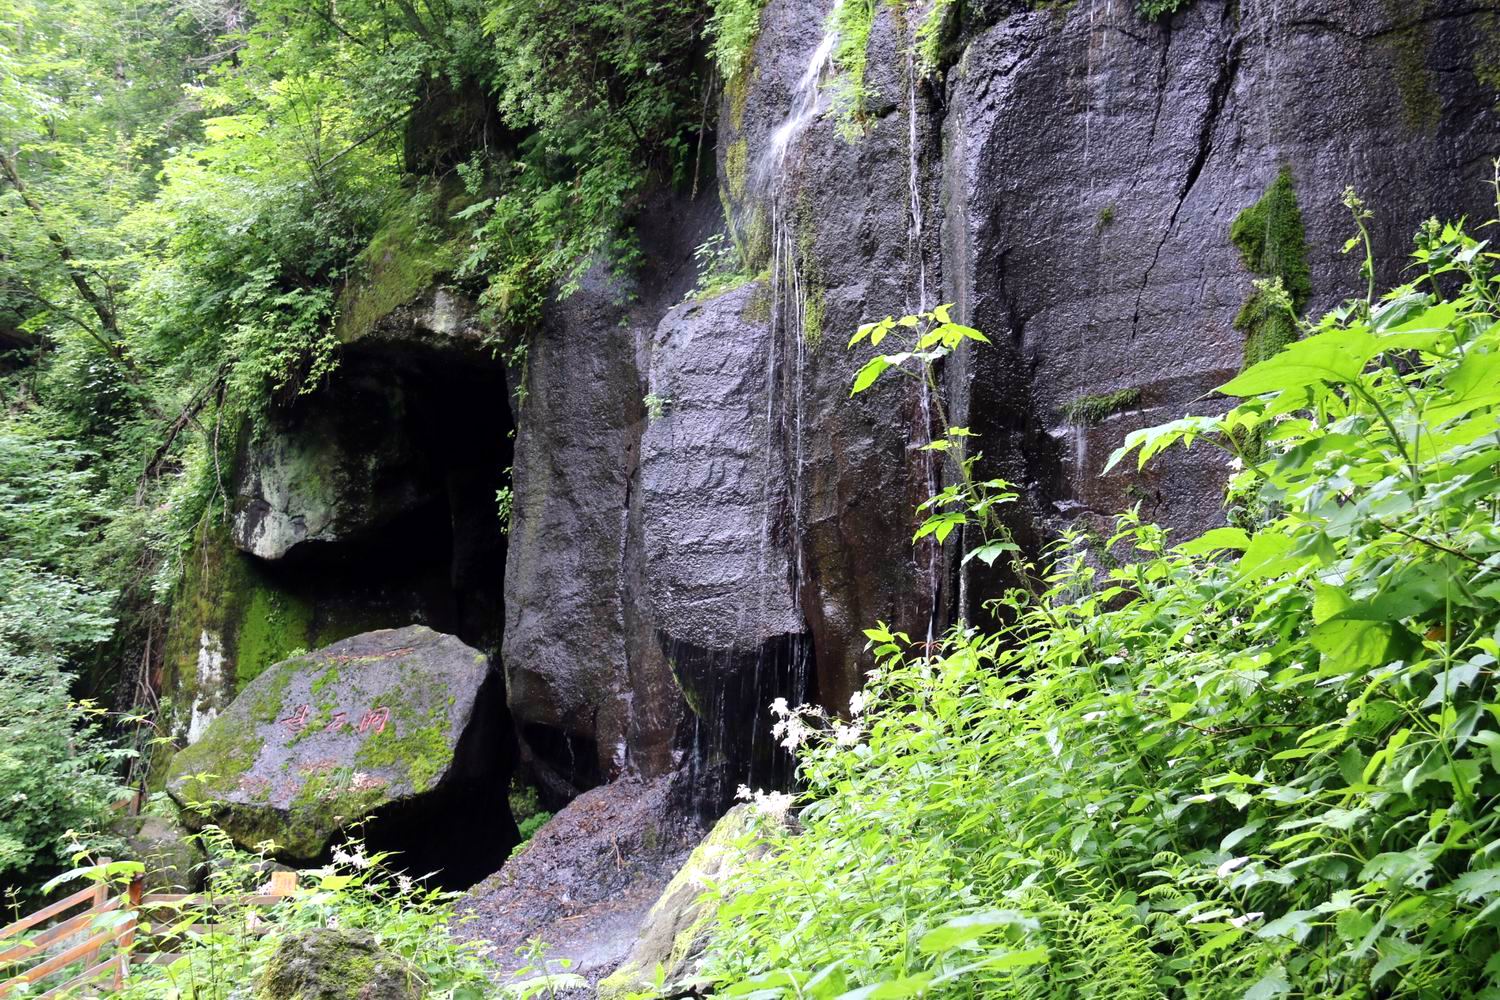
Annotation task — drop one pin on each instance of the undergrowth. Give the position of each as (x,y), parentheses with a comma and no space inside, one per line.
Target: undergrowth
(224,950)
(1262,763)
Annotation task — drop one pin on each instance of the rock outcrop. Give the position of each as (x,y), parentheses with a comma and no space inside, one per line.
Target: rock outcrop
(676,932)
(702,518)
(403,727)
(313,478)
(329,964)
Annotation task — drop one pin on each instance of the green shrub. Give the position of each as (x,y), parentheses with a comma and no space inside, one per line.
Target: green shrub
(1154,10)
(852,20)
(1259,764)
(733,29)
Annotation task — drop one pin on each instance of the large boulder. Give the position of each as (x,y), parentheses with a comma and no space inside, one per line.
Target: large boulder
(401,725)
(174,860)
(327,964)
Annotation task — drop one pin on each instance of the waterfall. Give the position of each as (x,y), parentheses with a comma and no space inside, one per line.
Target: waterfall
(744,680)
(807,104)
(917,261)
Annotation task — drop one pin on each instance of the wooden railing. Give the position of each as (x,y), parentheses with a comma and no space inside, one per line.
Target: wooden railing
(56,954)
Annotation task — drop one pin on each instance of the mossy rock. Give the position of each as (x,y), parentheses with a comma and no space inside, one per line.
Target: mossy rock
(319,742)
(325,964)
(409,252)
(675,933)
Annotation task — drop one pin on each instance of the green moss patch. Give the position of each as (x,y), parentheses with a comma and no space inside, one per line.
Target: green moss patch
(407,256)
(1272,241)
(1408,48)
(1090,410)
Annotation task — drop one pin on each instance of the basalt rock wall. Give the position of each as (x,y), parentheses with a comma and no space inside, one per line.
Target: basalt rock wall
(705,519)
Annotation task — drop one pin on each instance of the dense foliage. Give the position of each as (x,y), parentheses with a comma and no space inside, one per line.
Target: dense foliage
(1262,763)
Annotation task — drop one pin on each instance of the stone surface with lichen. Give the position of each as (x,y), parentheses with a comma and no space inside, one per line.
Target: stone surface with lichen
(319,742)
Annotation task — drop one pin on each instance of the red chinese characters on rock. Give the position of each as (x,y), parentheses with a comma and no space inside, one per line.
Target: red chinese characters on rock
(375,719)
(372,722)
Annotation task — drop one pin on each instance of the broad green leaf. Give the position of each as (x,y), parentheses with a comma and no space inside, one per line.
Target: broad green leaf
(990,551)
(1272,984)
(971,927)
(869,373)
(1269,554)
(1350,645)
(1216,540)
(1475,383)
(895,989)
(1336,356)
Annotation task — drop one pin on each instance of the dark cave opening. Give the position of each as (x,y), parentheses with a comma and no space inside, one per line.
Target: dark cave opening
(438,563)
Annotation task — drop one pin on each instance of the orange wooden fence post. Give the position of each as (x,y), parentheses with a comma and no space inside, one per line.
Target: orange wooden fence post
(101,896)
(127,940)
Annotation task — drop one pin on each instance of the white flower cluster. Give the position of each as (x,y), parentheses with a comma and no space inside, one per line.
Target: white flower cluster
(794,726)
(773,804)
(791,728)
(355,858)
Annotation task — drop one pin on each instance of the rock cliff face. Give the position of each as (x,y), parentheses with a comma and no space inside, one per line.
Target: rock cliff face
(703,519)
(1069,181)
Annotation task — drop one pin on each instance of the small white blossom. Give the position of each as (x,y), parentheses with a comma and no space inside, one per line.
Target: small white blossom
(846,736)
(743,793)
(857,704)
(779,708)
(795,733)
(773,804)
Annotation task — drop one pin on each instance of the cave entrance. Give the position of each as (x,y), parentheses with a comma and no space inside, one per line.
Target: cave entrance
(432,438)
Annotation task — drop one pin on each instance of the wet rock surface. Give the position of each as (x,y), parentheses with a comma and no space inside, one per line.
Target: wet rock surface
(1092,166)
(713,478)
(404,726)
(1068,178)
(585,882)
(675,933)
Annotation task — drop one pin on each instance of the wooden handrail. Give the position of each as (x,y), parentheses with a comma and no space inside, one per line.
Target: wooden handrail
(114,963)
(65,929)
(64,959)
(99,901)
(31,920)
